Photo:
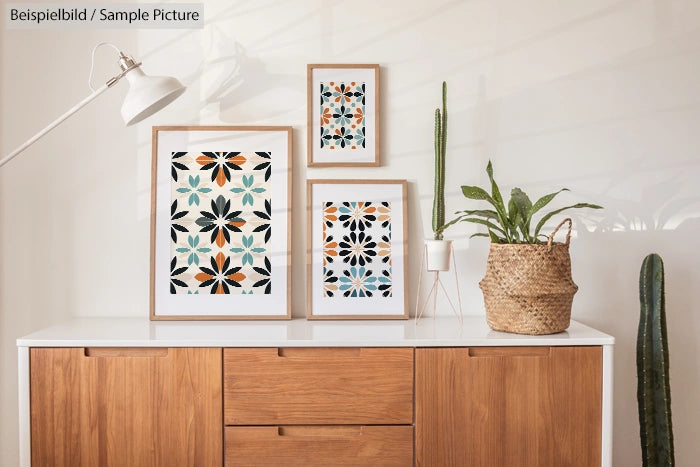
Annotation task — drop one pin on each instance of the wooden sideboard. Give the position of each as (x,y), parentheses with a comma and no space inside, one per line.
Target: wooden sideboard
(380,393)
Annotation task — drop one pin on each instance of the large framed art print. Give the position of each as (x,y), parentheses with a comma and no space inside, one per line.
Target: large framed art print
(356,249)
(220,223)
(343,115)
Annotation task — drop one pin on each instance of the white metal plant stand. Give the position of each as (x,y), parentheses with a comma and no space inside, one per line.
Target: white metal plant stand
(438,285)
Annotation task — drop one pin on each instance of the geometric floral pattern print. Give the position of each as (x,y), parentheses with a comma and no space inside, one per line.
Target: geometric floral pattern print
(342,114)
(357,249)
(220,223)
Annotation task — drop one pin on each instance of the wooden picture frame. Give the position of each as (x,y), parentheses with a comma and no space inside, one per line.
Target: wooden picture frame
(343,115)
(221,222)
(357,244)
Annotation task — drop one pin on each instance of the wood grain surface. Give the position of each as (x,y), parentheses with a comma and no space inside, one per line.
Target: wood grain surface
(141,407)
(319,446)
(515,406)
(314,386)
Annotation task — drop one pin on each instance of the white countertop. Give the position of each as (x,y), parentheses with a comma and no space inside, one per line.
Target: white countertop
(429,332)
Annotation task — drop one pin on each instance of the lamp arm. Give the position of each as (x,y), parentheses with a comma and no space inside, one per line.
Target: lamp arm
(58,121)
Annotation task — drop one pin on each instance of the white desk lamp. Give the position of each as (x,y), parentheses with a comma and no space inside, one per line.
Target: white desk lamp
(146,96)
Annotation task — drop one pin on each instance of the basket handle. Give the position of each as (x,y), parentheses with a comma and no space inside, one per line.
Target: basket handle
(568,234)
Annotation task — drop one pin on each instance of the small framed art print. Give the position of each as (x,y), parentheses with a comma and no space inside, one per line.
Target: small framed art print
(220,223)
(356,247)
(343,115)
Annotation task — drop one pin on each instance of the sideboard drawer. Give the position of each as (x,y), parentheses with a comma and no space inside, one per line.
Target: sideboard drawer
(317,386)
(318,445)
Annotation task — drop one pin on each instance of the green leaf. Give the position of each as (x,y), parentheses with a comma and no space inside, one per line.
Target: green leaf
(495,238)
(488,224)
(522,205)
(557,211)
(542,202)
(479,234)
(512,211)
(495,192)
(474,192)
(486,213)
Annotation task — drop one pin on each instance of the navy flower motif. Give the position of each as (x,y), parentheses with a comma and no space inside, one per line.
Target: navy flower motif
(220,222)
(357,248)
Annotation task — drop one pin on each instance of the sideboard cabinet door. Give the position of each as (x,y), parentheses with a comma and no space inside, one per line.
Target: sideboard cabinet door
(508,406)
(126,406)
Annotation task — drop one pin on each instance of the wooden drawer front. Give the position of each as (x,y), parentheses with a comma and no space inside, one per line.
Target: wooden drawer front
(318,386)
(319,446)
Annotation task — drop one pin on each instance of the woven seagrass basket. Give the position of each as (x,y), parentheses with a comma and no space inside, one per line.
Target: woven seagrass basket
(528,288)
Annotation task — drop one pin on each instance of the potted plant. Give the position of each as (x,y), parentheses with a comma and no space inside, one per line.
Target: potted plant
(528,287)
(438,249)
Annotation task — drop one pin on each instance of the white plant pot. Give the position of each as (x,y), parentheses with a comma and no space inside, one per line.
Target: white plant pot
(438,254)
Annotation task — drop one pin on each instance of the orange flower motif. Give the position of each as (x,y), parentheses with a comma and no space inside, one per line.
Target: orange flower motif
(330,247)
(326,116)
(221,164)
(220,276)
(384,213)
(329,214)
(359,116)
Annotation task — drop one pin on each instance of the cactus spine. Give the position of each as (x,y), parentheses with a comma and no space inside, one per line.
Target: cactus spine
(653,389)
(440,147)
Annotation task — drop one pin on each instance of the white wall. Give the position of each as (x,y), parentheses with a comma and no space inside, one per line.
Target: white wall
(600,96)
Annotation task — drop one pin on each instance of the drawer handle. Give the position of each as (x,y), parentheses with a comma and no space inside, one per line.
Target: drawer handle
(126,352)
(486,352)
(313,352)
(348,431)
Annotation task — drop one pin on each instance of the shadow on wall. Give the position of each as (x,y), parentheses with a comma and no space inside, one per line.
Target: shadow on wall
(230,78)
(665,219)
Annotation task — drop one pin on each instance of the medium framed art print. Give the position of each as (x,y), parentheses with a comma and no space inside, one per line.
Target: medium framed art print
(343,115)
(357,243)
(220,231)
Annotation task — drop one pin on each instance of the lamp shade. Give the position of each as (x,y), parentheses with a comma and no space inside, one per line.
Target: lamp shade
(148,94)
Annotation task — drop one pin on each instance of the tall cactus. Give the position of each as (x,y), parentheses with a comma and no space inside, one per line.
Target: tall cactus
(440,148)
(653,389)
